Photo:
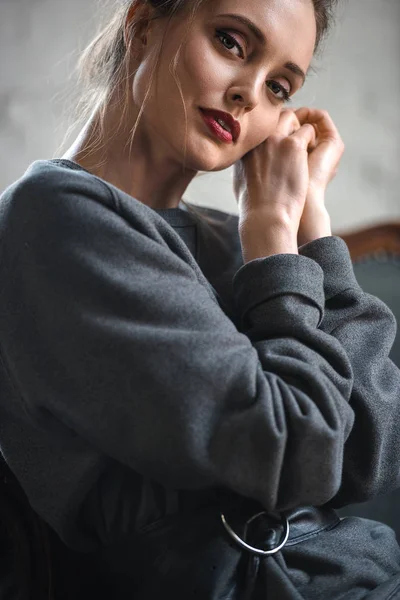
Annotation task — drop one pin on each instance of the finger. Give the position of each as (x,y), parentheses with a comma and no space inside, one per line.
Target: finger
(323,122)
(325,164)
(288,123)
(306,136)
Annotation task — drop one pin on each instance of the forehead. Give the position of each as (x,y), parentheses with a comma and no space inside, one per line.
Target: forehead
(288,25)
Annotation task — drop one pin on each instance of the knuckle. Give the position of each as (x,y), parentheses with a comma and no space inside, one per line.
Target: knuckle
(287,112)
(338,142)
(274,139)
(334,138)
(288,116)
(307,127)
(294,143)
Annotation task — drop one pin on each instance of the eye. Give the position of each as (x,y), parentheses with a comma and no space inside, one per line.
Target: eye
(221,35)
(276,88)
(230,43)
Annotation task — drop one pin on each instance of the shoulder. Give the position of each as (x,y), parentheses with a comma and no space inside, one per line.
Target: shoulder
(54,199)
(49,182)
(49,208)
(56,216)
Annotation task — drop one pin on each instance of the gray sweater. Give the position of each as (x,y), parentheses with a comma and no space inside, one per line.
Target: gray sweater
(141,360)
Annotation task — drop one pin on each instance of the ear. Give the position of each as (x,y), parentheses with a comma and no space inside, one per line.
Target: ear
(138,13)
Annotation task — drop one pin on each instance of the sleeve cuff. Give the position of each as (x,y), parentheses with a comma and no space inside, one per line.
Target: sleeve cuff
(262,279)
(333,256)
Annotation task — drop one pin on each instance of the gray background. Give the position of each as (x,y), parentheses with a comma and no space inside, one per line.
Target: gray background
(358,82)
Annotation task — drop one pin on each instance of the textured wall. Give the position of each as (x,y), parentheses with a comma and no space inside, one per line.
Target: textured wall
(358,81)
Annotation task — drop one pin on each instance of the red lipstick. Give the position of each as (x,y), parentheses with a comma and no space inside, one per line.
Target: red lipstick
(222,124)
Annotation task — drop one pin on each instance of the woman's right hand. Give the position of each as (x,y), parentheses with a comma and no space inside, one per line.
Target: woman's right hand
(270,185)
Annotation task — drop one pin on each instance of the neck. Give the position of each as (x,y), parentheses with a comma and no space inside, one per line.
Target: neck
(144,168)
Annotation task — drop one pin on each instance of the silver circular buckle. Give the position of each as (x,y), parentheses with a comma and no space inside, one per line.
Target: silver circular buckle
(246,546)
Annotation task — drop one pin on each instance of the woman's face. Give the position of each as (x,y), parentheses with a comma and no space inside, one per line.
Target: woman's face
(224,66)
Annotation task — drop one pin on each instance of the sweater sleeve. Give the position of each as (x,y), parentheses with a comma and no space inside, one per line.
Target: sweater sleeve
(366,329)
(107,327)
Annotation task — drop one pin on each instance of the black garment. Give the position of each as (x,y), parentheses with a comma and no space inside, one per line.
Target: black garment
(146,371)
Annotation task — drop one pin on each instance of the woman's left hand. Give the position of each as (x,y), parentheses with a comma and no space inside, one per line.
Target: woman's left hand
(323,163)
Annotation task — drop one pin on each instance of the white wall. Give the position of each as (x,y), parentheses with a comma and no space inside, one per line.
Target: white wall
(358,82)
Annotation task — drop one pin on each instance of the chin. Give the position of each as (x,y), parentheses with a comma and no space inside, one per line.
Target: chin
(209,157)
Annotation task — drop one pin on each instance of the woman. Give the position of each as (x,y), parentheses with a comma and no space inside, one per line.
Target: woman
(184,396)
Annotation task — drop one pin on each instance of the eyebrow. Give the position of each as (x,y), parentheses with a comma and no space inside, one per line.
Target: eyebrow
(291,66)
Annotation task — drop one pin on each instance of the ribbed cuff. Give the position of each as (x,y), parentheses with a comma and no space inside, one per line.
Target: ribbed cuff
(264,278)
(333,256)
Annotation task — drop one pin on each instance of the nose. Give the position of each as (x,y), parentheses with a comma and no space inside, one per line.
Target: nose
(245,100)
(247,93)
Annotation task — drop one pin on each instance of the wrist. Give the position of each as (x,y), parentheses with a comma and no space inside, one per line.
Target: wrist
(267,233)
(315,222)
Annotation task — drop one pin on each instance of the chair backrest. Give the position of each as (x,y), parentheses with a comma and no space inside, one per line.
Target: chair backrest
(375,252)
(25,566)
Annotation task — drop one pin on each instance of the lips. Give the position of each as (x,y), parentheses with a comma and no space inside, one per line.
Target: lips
(232,123)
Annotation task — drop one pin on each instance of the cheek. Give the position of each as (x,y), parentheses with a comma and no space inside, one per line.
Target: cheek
(147,85)
(202,68)
(261,126)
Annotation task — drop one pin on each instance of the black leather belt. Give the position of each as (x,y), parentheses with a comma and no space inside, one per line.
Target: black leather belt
(263,534)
